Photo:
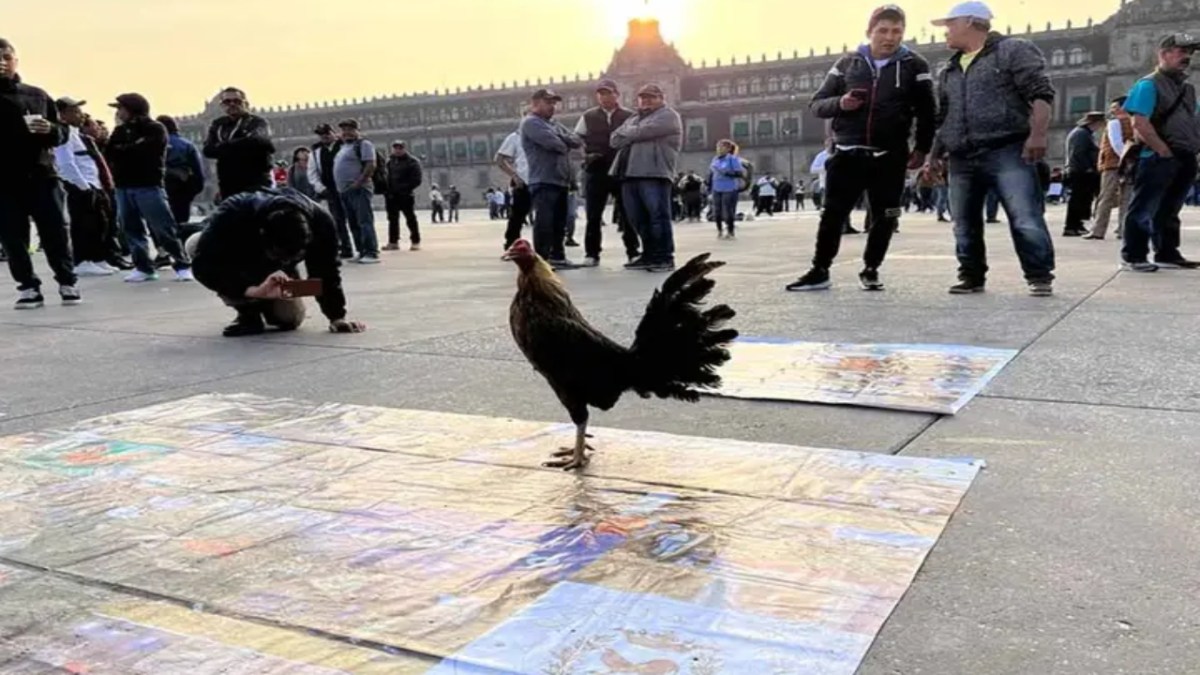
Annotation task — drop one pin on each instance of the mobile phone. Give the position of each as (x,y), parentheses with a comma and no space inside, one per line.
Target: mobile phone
(304,288)
(860,94)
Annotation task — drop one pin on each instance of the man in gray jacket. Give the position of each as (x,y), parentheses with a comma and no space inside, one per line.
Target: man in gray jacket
(648,151)
(993,118)
(547,145)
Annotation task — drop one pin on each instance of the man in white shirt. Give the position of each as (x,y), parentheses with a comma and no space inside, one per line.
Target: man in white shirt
(1118,136)
(766,196)
(81,178)
(512,161)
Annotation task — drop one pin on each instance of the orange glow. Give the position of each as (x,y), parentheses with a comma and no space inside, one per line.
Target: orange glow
(672,16)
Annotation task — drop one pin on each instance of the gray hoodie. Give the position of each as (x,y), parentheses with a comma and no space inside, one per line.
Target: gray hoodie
(648,145)
(989,106)
(547,145)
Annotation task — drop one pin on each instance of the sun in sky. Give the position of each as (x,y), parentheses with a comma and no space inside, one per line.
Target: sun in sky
(672,15)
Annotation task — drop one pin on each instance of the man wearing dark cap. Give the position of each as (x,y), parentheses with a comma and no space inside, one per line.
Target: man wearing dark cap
(872,96)
(320,174)
(548,146)
(136,154)
(595,127)
(81,178)
(1116,139)
(353,169)
(1082,172)
(404,177)
(241,143)
(648,147)
(29,185)
(1163,106)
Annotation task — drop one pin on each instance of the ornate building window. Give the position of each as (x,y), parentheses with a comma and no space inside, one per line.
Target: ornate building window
(725,92)
(786,83)
(805,82)
(714,90)
(766,129)
(742,87)
(773,84)
(741,130)
(756,86)
(1076,57)
(1058,58)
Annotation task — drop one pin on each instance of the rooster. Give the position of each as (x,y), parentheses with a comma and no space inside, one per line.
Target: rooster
(677,348)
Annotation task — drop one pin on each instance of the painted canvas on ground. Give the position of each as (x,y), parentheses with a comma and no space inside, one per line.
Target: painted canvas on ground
(938,379)
(315,538)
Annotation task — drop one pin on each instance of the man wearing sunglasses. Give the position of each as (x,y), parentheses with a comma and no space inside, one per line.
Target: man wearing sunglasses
(241,143)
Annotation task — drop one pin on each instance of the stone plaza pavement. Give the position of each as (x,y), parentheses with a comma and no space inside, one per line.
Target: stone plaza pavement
(1074,552)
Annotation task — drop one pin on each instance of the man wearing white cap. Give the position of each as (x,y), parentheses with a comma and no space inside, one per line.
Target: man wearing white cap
(993,126)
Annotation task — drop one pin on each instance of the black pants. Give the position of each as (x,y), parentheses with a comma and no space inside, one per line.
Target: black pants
(848,175)
(692,204)
(89,225)
(43,201)
(333,202)
(437,213)
(765,205)
(397,204)
(180,199)
(799,202)
(549,220)
(452,214)
(1084,188)
(600,186)
(518,213)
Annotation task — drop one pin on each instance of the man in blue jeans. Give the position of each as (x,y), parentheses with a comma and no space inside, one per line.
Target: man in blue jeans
(136,155)
(353,169)
(547,145)
(993,126)
(1163,106)
(647,147)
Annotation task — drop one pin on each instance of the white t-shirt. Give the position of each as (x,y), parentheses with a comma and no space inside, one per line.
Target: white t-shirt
(75,165)
(765,187)
(511,147)
(1115,137)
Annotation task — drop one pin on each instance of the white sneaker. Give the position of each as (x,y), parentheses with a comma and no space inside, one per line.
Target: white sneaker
(91,269)
(368,260)
(70,296)
(184,275)
(138,277)
(109,269)
(30,299)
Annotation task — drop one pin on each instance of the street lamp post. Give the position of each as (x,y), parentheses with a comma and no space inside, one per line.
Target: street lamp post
(790,133)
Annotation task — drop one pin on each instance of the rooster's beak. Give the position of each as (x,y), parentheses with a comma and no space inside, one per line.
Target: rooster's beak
(507,256)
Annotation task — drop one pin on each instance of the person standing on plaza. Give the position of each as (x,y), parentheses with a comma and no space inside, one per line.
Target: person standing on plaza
(185,172)
(515,204)
(691,192)
(595,127)
(353,168)
(241,144)
(453,199)
(648,147)
(765,202)
(437,204)
(548,145)
(137,152)
(1163,107)
(320,170)
(30,186)
(993,126)
(1083,172)
(1118,136)
(297,173)
(81,180)
(725,174)
(800,188)
(404,177)
(873,97)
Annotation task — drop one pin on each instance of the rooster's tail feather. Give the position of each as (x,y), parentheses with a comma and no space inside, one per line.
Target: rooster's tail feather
(678,347)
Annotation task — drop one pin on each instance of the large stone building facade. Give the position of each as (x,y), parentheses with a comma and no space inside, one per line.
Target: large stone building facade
(762,103)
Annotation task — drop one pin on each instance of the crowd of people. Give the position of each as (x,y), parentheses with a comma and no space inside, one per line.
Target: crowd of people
(962,147)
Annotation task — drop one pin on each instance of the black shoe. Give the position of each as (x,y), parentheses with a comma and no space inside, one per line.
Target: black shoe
(162,262)
(247,323)
(815,279)
(991,221)
(638,263)
(1041,289)
(346,255)
(943,220)
(660,267)
(967,287)
(869,280)
(850,230)
(559,264)
(1143,267)
(30,299)
(571,243)
(1074,233)
(1180,263)
(123,264)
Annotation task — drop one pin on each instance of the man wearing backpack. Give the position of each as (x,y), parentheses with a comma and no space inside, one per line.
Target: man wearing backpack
(1163,106)
(354,174)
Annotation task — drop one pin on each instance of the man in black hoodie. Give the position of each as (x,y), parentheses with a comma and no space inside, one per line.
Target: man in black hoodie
(29,185)
(137,153)
(872,95)
(241,144)
(404,177)
(250,250)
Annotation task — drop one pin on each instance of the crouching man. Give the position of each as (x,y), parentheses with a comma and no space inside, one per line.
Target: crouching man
(248,255)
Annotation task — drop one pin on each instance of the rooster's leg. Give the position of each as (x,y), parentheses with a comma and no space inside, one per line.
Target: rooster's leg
(576,457)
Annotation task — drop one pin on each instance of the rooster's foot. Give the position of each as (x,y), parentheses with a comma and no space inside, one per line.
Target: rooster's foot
(567,452)
(571,463)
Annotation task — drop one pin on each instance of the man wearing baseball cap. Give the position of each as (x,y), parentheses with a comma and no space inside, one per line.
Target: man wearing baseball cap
(993,126)
(872,96)
(595,127)
(1083,172)
(1163,106)
(548,145)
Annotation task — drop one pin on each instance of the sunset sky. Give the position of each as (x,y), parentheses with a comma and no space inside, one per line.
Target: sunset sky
(180,52)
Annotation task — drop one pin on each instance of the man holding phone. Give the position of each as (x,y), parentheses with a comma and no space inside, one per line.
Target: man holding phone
(872,96)
(248,255)
(29,185)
